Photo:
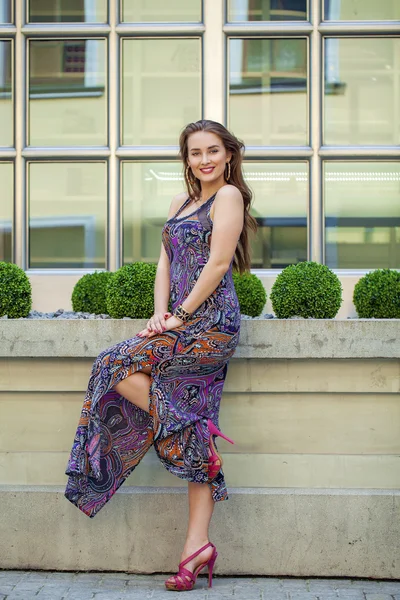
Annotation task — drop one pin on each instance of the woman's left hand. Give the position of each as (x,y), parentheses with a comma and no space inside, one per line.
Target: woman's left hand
(170,323)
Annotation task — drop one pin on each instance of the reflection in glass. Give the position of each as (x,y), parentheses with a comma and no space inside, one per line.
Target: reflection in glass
(5,11)
(268,91)
(362,215)
(68,11)
(280,196)
(6,98)
(147,191)
(366,10)
(67,93)
(6,211)
(267,10)
(67,209)
(174,11)
(161,89)
(279,206)
(362,91)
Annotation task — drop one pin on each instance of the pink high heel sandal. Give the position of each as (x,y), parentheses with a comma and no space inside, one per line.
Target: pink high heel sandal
(215,460)
(181,583)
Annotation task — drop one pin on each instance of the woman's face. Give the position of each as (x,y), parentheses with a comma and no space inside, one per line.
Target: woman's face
(207,156)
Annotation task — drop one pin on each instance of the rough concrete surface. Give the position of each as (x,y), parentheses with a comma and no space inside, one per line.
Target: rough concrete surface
(285,532)
(270,338)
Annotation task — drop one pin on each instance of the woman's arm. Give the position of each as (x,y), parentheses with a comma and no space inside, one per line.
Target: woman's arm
(162,281)
(228,222)
(227,226)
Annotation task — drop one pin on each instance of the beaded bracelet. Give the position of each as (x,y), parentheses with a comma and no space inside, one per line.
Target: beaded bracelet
(181,314)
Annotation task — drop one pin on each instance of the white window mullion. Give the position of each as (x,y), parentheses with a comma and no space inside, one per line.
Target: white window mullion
(214,62)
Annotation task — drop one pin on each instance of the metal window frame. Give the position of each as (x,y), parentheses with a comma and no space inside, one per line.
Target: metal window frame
(215,32)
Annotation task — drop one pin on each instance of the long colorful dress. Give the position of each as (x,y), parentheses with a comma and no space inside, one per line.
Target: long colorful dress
(188,369)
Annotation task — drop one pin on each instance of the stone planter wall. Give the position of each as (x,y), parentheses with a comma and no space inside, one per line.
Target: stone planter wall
(314,475)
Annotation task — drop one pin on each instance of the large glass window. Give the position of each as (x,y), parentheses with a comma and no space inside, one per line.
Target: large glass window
(67,11)
(280,209)
(267,10)
(268,91)
(67,214)
(6,95)
(362,10)
(362,91)
(174,11)
(362,215)
(147,191)
(161,89)
(67,93)
(5,11)
(6,210)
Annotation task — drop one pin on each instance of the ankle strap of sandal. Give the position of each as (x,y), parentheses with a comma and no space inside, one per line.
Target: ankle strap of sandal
(184,562)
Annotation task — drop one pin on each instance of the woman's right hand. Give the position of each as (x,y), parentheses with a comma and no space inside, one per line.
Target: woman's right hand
(157,323)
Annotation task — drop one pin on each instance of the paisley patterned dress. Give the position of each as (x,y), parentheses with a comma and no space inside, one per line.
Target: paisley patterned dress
(188,369)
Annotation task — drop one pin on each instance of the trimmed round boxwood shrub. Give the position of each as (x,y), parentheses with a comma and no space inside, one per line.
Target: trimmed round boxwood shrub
(15,291)
(377,295)
(250,292)
(307,289)
(130,291)
(89,293)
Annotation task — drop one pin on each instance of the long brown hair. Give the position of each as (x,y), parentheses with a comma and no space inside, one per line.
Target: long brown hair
(241,260)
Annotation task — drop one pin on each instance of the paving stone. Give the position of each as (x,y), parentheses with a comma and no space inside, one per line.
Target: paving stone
(41,585)
(378,596)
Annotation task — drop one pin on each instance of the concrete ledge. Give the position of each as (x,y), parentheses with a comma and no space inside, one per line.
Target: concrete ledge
(277,531)
(276,338)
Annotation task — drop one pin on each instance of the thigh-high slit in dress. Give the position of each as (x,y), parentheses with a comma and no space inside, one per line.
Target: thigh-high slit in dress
(188,370)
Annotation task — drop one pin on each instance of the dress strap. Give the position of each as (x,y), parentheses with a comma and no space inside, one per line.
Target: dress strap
(184,205)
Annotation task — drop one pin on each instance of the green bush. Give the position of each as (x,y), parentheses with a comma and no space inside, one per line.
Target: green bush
(307,289)
(377,295)
(15,291)
(251,293)
(130,291)
(89,293)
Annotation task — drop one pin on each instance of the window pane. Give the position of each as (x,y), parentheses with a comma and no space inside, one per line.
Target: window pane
(67,93)
(68,11)
(6,210)
(174,11)
(147,190)
(67,207)
(367,10)
(6,98)
(267,10)
(362,83)
(268,91)
(362,215)
(280,207)
(161,89)
(5,11)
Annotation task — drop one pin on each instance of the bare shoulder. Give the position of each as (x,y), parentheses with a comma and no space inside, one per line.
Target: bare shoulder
(176,203)
(227,197)
(229,193)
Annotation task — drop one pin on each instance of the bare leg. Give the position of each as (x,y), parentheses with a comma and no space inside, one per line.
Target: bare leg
(201,506)
(135,388)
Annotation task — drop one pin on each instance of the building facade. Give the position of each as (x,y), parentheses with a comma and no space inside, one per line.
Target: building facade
(94,94)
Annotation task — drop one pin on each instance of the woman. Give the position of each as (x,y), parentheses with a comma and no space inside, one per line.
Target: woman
(164,385)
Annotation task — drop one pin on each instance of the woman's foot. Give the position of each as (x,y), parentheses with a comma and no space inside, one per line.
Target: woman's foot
(202,558)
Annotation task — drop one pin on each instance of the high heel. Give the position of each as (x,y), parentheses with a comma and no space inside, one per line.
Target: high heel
(181,582)
(215,459)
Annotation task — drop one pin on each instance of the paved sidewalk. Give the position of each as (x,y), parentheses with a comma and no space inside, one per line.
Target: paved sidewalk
(36,585)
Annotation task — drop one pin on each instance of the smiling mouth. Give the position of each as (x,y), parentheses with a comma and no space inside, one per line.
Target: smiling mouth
(207,170)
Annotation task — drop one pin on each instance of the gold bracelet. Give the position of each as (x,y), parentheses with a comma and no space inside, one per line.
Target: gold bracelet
(181,314)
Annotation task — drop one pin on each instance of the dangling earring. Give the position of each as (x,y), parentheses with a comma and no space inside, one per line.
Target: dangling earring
(229,172)
(189,181)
